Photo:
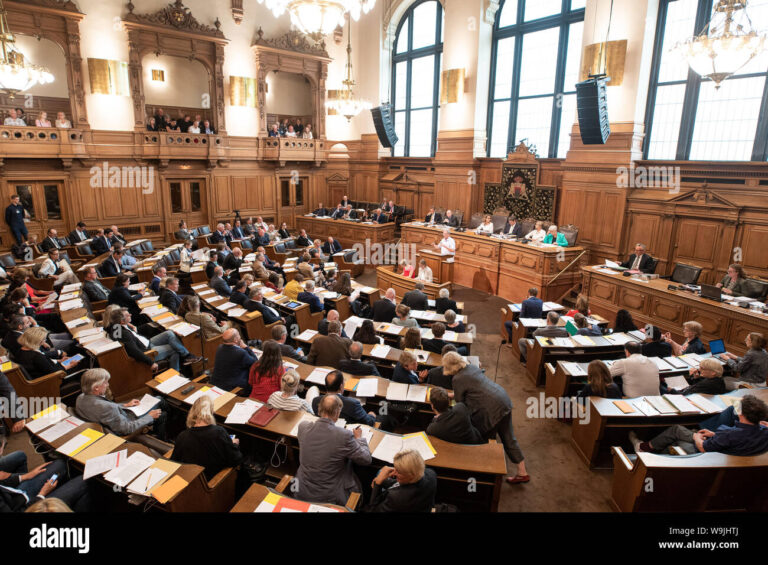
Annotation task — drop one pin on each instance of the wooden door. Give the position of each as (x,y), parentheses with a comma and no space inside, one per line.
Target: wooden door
(698,241)
(293,199)
(187,201)
(43,202)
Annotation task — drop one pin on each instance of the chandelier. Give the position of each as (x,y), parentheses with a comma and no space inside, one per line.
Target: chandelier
(727,43)
(317,18)
(16,74)
(345,102)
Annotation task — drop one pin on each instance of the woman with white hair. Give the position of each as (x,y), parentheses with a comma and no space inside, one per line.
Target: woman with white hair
(555,237)
(204,442)
(407,487)
(287,399)
(490,406)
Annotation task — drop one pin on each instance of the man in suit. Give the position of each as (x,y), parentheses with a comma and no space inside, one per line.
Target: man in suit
(117,237)
(329,350)
(218,283)
(237,231)
(654,345)
(112,266)
(308,296)
(433,217)
(280,336)
(550,330)
(269,263)
(240,296)
(327,454)
(444,302)
(21,488)
(512,228)
(639,261)
(384,308)
(92,406)
(450,220)
(531,307)
(51,241)
(355,366)
(159,273)
(261,237)
(436,344)
(249,229)
(93,288)
(233,363)
(338,213)
(451,424)
(183,234)
(322,326)
(269,314)
(232,264)
(303,240)
(352,410)
(416,299)
(321,211)
(169,295)
(101,243)
(219,235)
(345,202)
(374,217)
(166,344)
(57,269)
(331,246)
(78,234)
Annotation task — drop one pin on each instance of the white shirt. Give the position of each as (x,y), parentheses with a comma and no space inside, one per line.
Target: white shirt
(639,375)
(64,124)
(536,235)
(447,246)
(425,275)
(14,122)
(307,135)
(48,268)
(81,235)
(193,129)
(290,134)
(485,228)
(144,341)
(186,260)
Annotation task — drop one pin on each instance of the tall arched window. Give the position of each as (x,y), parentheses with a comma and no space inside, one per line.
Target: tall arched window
(687,117)
(534,70)
(416,78)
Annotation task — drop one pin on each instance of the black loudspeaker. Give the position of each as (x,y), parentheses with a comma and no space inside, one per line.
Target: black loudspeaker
(592,105)
(384,122)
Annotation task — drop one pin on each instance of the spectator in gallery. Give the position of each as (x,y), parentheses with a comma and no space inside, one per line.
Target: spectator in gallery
(307,133)
(194,128)
(299,128)
(62,121)
(43,121)
(207,128)
(13,119)
(151,125)
(274,131)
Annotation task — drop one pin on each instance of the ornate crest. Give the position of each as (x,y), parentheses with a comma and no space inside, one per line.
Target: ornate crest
(176,15)
(292,41)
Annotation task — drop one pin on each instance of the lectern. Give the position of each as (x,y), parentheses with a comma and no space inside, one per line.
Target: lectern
(441,265)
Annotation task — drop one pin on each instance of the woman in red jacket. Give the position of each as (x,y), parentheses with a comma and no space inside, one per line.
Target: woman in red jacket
(266,373)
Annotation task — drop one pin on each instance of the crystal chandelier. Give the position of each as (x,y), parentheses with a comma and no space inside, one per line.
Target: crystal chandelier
(346,103)
(16,74)
(727,43)
(317,18)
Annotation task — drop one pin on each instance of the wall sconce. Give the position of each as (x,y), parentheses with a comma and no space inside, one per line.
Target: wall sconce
(108,77)
(452,86)
(243,92)
(158,75)
(608,57)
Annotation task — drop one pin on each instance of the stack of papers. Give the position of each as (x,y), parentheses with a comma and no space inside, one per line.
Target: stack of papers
(80,442)
(367,388)
(242,411)
(47,417)
(573,369)
(184,329)
(317,376)
(172,383)
(146,404)
(406,392)
(104,463)
(306,335)
(676,383)
(71,287)
(70,305)
(380,351)
(129,469)
(391,445)
(63,427)
(236,312)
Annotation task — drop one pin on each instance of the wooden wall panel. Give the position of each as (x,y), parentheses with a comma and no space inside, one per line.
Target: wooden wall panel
(753,242)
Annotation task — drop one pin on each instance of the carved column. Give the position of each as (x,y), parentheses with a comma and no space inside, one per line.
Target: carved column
(136,78)
(75,75)
(261,77)
(320,101)
(218,80)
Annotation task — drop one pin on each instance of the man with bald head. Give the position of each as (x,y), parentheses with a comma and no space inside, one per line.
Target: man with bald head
(384,308)
(326,456)
(322,327)
(233,363)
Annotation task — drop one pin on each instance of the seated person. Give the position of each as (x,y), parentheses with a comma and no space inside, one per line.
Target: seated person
(294,287)
(169,297)
(355,366)
(408,269)
(92,406)
(692,344)
(308,296)
(338,213)
(734,282)
(283,232)
(599,382)
(582,307)
(352,410)
(425,272)
(287,399)
(331,246)
(30,355)
(552,329)
(265,374)
(512,227)
(450,220)
(13,119)
(444,302)
(366,333)
(752,369)
(204,442)
(233,363)
(407,487)
(538,233)
(402,319)
(329,350)
(555,237)
(433,217)
(639,375)
(416,299)
(451,423)
(584,327)
(274,130)
(436,344)
(624,322)
(279,336)
(269,314)
(747,437)
(384,309)
(707,379)
(62,121)
(452,324)
(639,261)
(654,345)
(406,370)
(327,453)
(436,376)
(486,226)
(190,311)
(57,269)
(124,298)
(218,283)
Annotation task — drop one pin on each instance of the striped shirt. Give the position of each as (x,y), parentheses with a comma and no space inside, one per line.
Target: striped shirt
(291,404)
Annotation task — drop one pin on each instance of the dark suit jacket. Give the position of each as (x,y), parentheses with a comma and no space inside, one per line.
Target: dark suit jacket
(220,286)
(217,237)
(321,212)
(209,267)
(455,426)
(95,292)
(416,300)
(532,307)
(110,267)
(133,347)
(48,244)
(322,328)
(291,353)
(400,375)
(646,263)
(434,345)
(657,349)
(359,368)
(351,410)
(269,317)
(391,496)
(232,366)
(327,248)
(182,235)
(232,263)
(170,300)
(437,215)
(338,213)
(328,351)
(436,377)
(443,304)
(452,222)
(487,400)
(383,310)
(122,297)
(517,229)
(315,304)
(100,245)
(36,363)
(74,238)
(154,284)
(302,241)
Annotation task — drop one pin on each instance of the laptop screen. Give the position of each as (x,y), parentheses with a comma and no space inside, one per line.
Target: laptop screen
(709,291)
(716,347)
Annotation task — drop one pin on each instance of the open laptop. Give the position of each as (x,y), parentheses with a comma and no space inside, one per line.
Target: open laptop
(711,292)
(716,347)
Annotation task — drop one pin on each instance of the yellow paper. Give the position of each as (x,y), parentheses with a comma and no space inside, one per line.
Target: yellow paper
(169,489)
(92,436)
(272,498)
(45,412)
(6,366)
(165,375)
(351,384)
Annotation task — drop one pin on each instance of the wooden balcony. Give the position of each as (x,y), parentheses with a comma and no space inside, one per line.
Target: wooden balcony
(43,143)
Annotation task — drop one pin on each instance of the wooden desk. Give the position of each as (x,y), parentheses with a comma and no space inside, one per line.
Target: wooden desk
(504,267)
(651,303)
(348,233)
(257,493)
(387,277)
(441,265)
(609,426)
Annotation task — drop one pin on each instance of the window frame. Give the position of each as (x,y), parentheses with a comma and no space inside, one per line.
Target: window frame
(693,84)
(563,21)
(408,56)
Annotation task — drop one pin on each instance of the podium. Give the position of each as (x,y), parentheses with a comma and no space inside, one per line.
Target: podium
(441,265)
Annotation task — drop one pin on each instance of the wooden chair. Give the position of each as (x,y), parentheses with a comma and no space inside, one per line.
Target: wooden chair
(129,376)
(306,319)
(48,386)
(255,328)
(45,283)
(209,347)
(351,504)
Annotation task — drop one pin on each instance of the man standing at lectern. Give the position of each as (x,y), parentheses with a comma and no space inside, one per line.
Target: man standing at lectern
(447,245)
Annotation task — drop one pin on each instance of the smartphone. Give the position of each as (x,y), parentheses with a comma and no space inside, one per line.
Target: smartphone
(53,479)
(232,437)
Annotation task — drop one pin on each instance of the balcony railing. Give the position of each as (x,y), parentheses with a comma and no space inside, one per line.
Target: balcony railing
(35,142)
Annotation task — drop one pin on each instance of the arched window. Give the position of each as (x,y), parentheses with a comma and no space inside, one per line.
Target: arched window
(534,70)
(687,117)
(416,62)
